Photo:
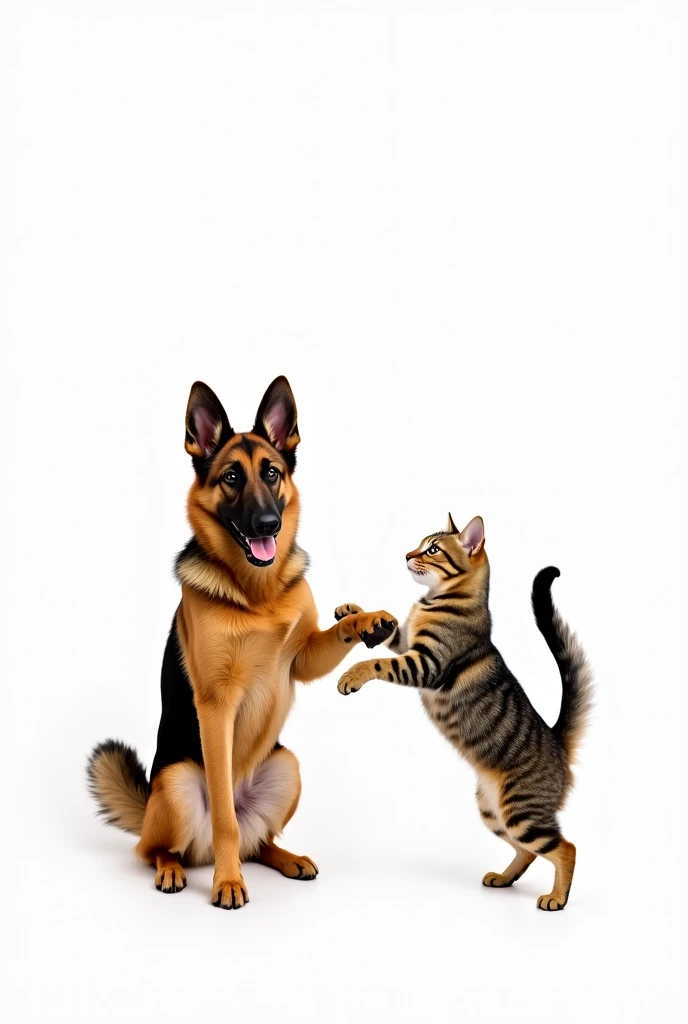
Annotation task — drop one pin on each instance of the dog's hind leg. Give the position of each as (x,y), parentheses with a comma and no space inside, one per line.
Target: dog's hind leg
(169,873)
(177,818)
(265,803)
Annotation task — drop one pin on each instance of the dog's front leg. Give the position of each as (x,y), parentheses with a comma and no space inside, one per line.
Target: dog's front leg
(216,719)
(325,649)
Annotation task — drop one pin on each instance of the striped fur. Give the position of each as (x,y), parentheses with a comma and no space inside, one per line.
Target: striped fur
(445,650)
(576,677)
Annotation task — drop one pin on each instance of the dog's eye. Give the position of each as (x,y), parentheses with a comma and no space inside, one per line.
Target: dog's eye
(433,550)
(272,474)
(230,477)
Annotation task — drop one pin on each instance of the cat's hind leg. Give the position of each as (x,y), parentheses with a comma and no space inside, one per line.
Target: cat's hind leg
(564,859)
(518,866)
(488,805)
(537,835)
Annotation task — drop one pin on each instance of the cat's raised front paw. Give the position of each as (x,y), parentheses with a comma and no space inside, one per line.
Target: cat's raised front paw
(352,680)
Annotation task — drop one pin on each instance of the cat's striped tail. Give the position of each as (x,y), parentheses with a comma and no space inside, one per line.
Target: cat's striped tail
(576,675)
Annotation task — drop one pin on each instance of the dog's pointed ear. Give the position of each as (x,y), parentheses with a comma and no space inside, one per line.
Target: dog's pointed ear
(473,536)
(207,426)
(276,419)
(451,525)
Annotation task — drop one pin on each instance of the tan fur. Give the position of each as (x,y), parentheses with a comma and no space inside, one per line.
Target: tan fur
(564,860)
(110,782)
(247,634)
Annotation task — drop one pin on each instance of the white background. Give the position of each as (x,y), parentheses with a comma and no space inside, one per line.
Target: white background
(456,229)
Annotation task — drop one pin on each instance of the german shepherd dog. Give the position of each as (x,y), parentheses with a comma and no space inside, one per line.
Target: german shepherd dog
(222,786)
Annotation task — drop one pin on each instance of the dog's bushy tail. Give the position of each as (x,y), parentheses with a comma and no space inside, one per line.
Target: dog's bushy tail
(576,674)
(117,781)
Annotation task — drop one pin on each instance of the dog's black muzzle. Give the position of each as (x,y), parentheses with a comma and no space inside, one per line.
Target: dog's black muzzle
(252,525)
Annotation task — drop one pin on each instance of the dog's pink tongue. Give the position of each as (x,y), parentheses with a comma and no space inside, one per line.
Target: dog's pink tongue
(263,548)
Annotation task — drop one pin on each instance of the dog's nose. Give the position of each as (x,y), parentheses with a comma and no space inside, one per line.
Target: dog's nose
(265,523)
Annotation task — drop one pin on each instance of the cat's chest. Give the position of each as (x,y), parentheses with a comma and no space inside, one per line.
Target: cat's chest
(419,618)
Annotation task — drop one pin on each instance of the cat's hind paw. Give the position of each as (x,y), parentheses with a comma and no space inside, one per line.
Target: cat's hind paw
(493,880)
(552,901)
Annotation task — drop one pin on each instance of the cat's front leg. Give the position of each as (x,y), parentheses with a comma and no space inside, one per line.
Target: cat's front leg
(410,669)
(356,677)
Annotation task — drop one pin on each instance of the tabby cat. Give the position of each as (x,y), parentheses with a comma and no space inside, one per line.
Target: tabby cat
(445,650)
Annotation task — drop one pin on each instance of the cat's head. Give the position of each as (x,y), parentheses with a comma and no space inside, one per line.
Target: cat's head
(447,555)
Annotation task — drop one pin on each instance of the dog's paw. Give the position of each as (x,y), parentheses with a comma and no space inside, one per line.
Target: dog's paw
(375,628)
(346,609)
(372,628)
(303,869)
(170,879)
(229,895)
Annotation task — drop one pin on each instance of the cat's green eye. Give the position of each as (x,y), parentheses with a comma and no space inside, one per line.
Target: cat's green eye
(433,550)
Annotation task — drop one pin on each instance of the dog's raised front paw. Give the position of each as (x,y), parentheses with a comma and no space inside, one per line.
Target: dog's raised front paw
(346,609)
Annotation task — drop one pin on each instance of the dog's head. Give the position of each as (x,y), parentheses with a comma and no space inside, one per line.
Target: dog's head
(243,505)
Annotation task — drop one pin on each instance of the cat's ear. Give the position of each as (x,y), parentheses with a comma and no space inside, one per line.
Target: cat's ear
(472,537)
(276,419)
(207,426)
(451,525)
